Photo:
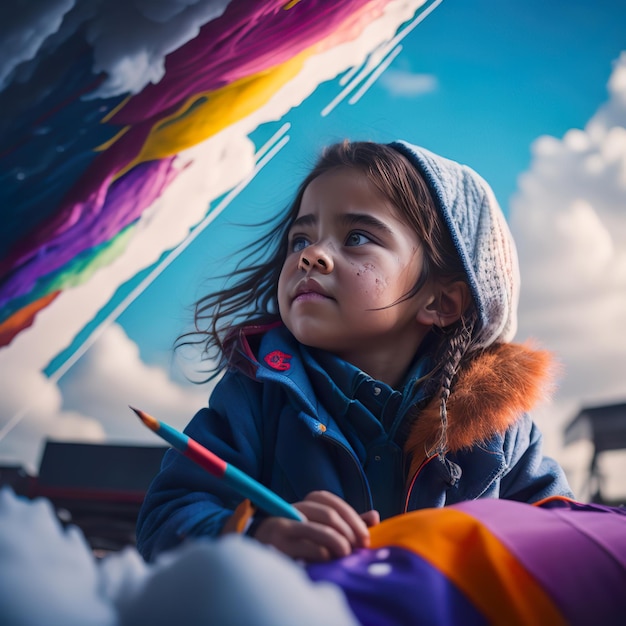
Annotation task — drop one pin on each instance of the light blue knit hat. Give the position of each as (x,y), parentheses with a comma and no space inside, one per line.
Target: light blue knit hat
(481,237)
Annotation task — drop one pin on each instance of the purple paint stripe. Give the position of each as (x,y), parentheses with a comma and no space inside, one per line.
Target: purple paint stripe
(578,556)
(103,215)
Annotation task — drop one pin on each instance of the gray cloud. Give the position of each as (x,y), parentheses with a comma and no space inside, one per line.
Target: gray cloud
(129,39)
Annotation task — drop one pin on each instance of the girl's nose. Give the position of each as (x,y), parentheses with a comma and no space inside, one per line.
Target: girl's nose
(315,257)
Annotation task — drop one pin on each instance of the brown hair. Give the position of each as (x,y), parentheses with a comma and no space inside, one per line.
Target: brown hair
(252,298)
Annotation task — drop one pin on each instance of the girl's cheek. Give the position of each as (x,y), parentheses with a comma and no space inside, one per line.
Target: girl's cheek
(370,281)
(364,271)
(381,286)
(281,287)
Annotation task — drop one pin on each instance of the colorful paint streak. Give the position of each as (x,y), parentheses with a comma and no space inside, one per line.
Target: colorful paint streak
(79,171)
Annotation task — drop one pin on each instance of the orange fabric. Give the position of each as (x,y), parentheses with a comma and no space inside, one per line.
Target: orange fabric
(480,566)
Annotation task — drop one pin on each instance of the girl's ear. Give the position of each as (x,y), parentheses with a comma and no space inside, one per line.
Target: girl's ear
(447,305)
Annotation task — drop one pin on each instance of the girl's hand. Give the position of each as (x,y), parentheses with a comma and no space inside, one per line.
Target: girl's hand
(332,529)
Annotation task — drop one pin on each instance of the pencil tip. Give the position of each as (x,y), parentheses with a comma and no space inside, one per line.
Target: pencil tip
(148,420)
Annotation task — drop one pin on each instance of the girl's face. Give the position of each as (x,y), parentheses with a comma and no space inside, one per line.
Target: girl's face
(350,258)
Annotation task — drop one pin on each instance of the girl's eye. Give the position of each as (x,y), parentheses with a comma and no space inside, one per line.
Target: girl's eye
(357,239)
(299,243)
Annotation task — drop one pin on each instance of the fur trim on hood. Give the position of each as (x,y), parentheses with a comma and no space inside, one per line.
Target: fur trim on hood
(488,396)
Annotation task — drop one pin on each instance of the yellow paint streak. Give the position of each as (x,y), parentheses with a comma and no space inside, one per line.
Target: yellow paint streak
(196,121)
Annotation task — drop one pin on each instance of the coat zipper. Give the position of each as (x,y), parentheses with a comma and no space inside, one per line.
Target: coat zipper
(364,488)
(410,488)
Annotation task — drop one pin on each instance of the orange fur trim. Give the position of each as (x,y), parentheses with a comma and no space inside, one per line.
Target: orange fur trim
(488,396)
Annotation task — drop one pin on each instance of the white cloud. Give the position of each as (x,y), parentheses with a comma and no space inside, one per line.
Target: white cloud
(33,403)
(53,564)
(569,222)
(111,376)
(92,402)
(406,84)
(613,113)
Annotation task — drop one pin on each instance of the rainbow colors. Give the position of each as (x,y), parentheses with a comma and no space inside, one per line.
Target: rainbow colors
(82,162)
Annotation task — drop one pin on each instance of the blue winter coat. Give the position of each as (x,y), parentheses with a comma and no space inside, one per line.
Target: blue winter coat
(269,422)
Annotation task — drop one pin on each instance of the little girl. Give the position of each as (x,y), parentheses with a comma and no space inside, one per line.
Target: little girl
(367,364)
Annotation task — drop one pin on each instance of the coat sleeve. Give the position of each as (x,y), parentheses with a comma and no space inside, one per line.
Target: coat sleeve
(530,476)
(186,501)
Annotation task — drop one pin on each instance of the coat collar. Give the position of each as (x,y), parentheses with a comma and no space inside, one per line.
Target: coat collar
(488,396)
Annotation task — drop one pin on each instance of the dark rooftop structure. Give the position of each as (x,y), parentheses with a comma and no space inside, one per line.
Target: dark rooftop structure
(605,427)
(99,488)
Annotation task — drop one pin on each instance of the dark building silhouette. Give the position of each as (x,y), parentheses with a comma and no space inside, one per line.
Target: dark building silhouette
(99,488)
(605,427)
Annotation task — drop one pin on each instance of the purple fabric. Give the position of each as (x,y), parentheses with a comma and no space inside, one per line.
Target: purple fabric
(395,587)
(577,554)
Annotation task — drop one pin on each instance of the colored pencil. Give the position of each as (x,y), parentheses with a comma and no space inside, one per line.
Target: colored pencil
(243,484)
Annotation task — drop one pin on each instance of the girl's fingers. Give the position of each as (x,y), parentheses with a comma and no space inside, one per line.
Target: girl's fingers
(316,541)
(303,540)
(328,509)
(371,518)
(332,529)
(329,520)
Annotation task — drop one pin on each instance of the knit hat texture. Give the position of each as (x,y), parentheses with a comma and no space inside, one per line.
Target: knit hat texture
(481,236)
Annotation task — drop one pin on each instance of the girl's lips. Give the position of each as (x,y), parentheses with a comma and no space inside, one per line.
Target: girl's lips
(310,290)
(306,296)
